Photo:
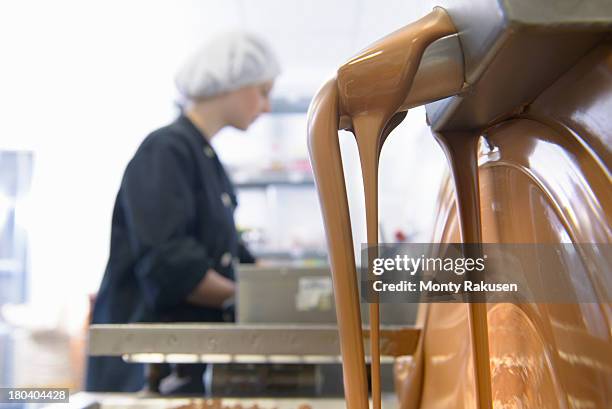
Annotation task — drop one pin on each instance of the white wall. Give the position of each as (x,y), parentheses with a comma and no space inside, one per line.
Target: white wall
(82,83)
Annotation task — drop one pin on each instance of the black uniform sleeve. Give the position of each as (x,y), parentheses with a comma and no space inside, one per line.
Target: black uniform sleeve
(159,203)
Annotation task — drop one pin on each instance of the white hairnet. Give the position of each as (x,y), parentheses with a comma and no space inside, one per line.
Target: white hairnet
(225,63)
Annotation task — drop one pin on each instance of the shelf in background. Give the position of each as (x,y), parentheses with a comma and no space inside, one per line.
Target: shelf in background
(263,179)
(262,184)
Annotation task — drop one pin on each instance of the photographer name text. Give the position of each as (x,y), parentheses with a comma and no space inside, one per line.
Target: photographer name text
(455,288)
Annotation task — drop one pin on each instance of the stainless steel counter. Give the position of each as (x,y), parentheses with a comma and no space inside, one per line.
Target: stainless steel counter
(185,343)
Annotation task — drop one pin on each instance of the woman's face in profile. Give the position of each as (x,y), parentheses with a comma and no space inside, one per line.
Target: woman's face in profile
(246,104)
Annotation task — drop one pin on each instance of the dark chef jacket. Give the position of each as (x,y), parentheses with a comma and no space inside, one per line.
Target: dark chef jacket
(173,220)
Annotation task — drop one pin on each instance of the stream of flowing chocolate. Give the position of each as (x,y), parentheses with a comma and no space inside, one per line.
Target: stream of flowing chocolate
(366,98)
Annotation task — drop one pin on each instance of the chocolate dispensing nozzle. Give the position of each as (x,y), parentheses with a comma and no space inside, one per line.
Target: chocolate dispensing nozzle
(417,64)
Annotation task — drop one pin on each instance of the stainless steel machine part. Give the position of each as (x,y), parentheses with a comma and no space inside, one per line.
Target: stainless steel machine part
(302,295)
(440,72)
(513,50)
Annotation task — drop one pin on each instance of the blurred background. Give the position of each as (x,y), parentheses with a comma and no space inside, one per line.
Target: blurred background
(83,82)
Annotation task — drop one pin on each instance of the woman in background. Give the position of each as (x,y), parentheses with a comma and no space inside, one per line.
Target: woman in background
(173,239)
